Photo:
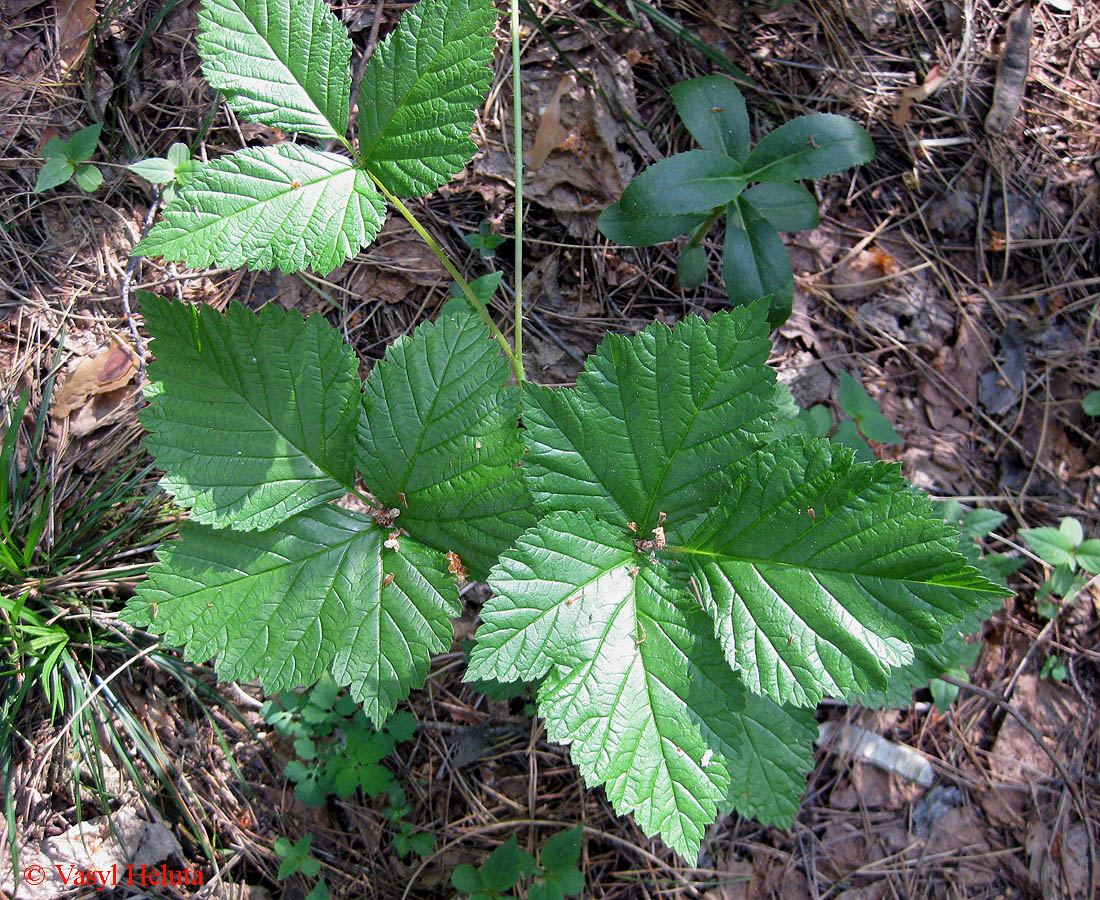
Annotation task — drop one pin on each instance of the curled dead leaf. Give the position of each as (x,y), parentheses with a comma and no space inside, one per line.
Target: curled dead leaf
(94,375)
(551,133)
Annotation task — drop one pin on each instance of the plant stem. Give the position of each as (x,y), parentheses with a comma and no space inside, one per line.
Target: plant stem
(517,140)
(467,291)
(703,229)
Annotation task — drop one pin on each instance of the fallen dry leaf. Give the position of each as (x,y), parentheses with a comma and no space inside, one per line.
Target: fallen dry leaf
(75,19)
(917,94)
(551,133)
(93,375)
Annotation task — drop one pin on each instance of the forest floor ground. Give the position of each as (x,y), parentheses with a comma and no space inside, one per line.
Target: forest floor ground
(957,276)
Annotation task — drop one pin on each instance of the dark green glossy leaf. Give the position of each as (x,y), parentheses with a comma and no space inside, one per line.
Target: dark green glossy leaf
(755,263)
(789,207)
(809,147)
(713,110)
(693,182)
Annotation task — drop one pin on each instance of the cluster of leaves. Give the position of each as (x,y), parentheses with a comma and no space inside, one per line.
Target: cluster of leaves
(286,63)
(297,859)
(863,421)
(1070,555)
(682,573)
(554,877)
(639,579)
(174,171)
(337,750)
(687,193)
(69,159)
(484,241)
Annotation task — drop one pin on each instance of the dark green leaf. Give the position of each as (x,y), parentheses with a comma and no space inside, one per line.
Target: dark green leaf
(822,574)
(809,147)
(789,207)
(311,595)
(420,93)
(847,435)
(693,182)
(652,421)
(81,145)
(755,263)
(692,270)
(645,230)
(440,440)
(713,110)
(251,417)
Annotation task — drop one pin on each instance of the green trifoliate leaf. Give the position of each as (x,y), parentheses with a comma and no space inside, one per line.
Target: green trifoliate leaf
(440,439)
(809,147)
(979,522)
(282,63)
(1088,555)
(755,263)
(420,92)
(1053,545)
(645,229)
(651,421)
(286,206)
(251,417)
(822,574)
(713,110)
(635,682)
(789,207)
(692,182)
(310,596)
(1072,529)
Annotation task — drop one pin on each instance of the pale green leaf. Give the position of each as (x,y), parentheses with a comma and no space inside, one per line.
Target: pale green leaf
(420,93)
(286,206)
(652,420)
(1053,545)
(283,63)
(310,596)
(633,677)
(154,170)
(88,178)
(252,418)
(822,574)
(439,440)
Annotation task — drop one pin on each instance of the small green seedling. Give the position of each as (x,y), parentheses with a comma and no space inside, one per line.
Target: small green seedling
(404,840)
(1090,403)
(298,859)
(175,170)
(864,421)
(483,240)
(689,192)
(1054,668)
(338,751)
(1066,550)
(555,878)
(69,159)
